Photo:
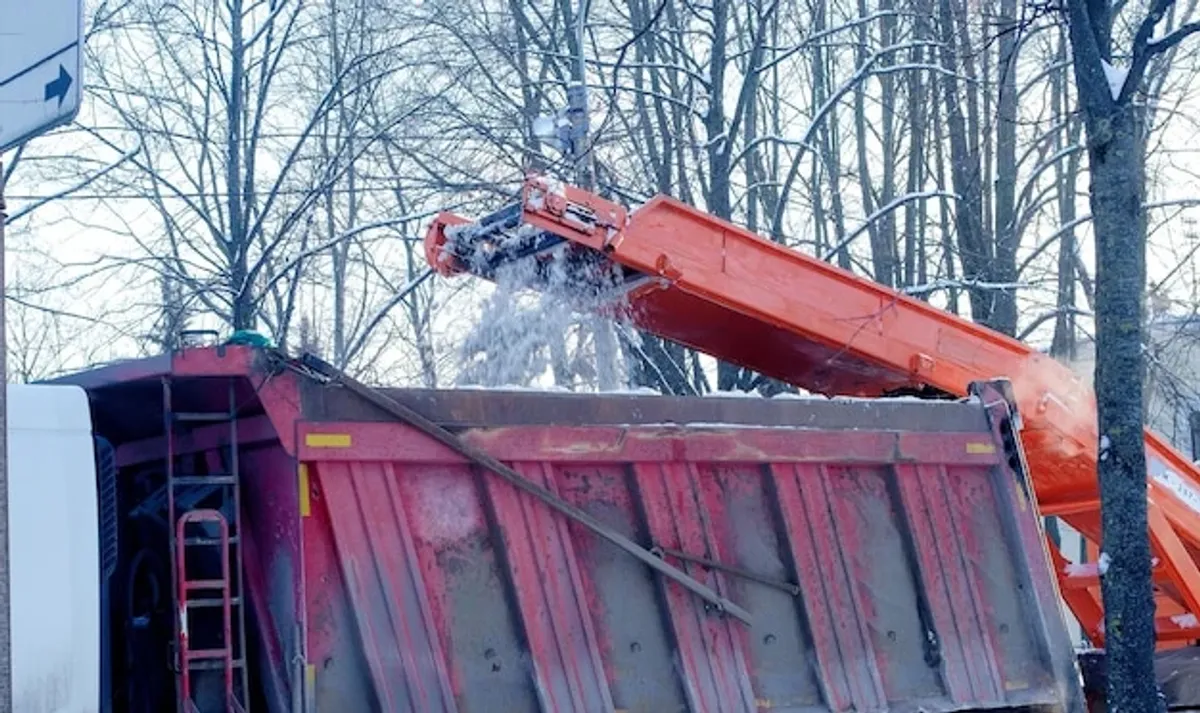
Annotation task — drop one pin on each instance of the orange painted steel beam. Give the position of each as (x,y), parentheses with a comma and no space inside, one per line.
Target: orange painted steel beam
(1080,590)
(1091,579)
(720,289)
(1176,560)
(1083,603)
(1060,508)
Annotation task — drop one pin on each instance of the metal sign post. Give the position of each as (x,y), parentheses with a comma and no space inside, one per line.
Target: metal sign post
(41,65)
(6,692)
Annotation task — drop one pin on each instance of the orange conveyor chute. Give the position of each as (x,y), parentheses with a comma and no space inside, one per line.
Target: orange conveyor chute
(708,284)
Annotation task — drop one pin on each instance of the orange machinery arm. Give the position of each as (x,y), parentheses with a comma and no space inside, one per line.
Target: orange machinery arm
(708,284)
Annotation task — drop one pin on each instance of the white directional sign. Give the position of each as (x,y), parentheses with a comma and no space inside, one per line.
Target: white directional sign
(41,59)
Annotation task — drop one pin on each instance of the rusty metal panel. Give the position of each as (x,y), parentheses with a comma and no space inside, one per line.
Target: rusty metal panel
(389,597)
(893,567)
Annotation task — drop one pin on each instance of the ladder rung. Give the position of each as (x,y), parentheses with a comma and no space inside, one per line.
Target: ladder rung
(211,665)
(204,584)
(210,417)
(204,480)
(213,602)
(206,654)
(207,541)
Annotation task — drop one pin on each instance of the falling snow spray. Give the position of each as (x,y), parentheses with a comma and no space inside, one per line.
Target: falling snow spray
(527,337)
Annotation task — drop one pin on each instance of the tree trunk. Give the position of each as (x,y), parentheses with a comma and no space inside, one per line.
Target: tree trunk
(828,144)
(242,309)
(865,183)
(1117,156)
(916,167)
(1063,343)
(1004,301)
(962,133)
(939,135)
(886,259)
(719,200)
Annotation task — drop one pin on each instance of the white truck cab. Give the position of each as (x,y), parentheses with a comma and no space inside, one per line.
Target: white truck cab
(54,546)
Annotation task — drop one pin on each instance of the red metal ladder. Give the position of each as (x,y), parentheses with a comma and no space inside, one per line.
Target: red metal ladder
(187,588)
(205,511)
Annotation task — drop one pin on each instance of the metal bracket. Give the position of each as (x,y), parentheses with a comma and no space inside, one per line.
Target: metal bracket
(790,588)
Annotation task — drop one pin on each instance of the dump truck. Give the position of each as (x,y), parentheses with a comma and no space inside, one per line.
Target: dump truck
(261,532)
(272,535)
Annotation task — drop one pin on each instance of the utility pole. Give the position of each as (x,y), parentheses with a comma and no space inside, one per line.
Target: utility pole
(6,692)
(577,105)
(581,155)
(577,113)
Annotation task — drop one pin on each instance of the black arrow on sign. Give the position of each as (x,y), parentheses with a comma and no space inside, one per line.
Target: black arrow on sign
(58,88)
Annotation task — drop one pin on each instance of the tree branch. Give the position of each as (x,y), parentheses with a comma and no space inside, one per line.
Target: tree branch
(78,186)
(1172,39)
(884,210)
(1142,52)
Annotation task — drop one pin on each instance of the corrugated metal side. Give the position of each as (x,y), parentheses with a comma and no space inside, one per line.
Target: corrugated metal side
(271,542)
(430,586)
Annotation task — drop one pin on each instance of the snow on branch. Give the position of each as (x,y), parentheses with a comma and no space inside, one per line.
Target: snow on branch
(1144,49)
(884,210)
(817,37)
(925,67)
(760,140)
(1047,163)
(1168,41)
(945,284)
(865,70)
(692,74)
(1086,218)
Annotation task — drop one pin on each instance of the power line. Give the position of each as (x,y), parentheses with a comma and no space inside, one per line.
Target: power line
(222,194)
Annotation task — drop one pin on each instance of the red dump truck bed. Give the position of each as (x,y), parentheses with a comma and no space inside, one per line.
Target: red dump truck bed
(887,552)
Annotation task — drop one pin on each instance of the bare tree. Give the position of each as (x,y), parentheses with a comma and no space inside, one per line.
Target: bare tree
(1115,121)
(291,153)
(244,139)
(166,333)
(53,327)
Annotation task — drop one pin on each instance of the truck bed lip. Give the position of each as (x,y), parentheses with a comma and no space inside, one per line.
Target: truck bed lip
(477,408)
(493,409)
(117,372)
